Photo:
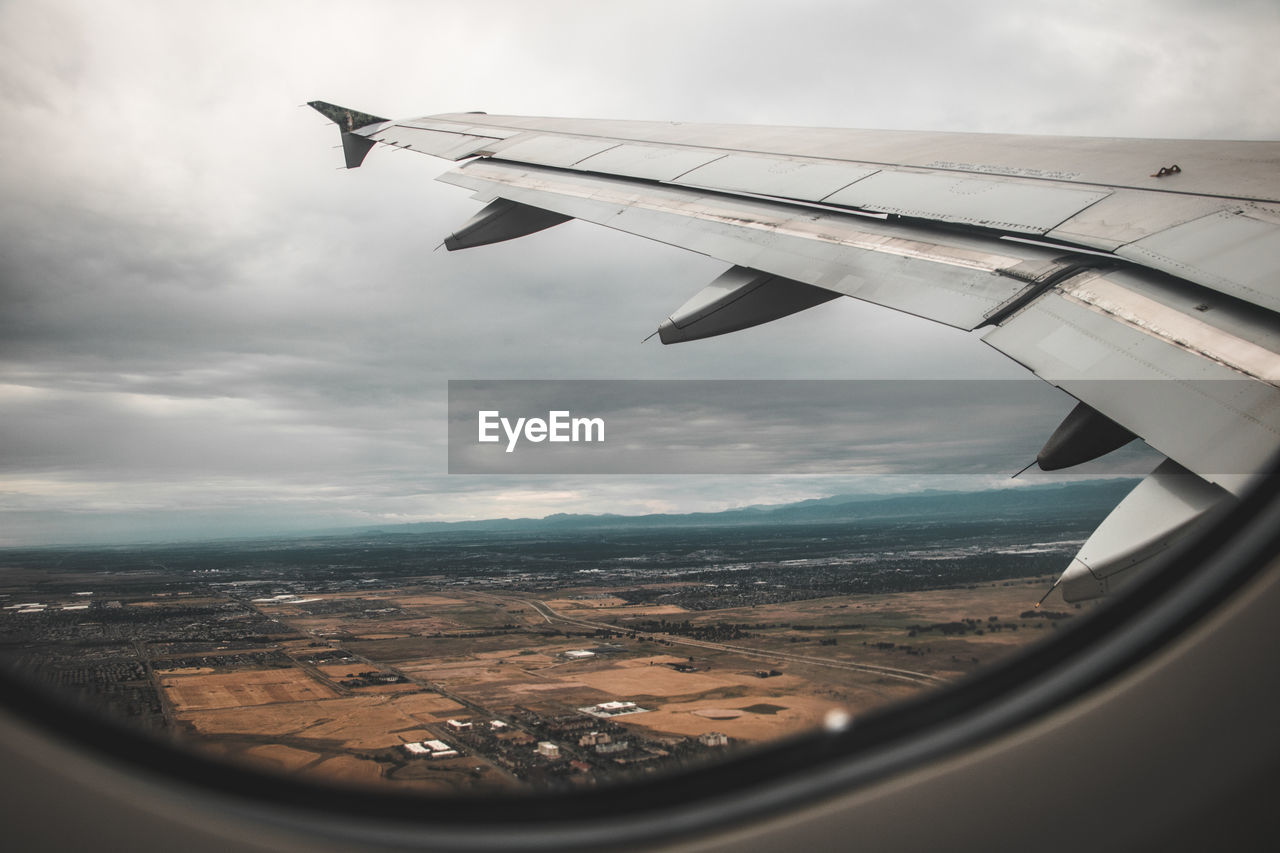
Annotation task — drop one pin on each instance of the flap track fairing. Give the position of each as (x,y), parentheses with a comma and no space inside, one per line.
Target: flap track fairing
(501,220)
(739,299)
(1083,435)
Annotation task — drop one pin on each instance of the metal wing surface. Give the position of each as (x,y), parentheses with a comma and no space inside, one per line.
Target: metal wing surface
(1141,276)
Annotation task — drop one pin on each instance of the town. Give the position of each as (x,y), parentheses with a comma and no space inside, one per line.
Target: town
(458,661)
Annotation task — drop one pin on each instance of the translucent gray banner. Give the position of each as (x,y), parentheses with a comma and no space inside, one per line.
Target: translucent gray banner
(756,427)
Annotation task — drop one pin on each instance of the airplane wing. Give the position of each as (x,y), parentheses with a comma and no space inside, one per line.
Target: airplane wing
(1141,276)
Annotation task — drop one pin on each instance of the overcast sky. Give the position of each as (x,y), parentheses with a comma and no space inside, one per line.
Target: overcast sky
(208,329)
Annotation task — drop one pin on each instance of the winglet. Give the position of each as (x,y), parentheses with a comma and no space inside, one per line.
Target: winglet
(346,118)
(354,147)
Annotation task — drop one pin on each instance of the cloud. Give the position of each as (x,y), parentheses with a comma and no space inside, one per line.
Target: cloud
(204,318)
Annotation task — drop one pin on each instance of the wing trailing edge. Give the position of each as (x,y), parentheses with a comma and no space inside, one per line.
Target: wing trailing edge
(945,276)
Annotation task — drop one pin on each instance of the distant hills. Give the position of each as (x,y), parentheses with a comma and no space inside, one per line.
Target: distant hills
(1088,497)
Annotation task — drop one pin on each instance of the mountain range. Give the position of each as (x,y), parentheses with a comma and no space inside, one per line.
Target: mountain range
(1091,497)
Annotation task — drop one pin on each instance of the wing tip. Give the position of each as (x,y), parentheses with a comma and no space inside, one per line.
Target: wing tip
(346,118)
(354,147)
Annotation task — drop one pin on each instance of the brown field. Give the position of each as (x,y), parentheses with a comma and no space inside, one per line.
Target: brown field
(454,653)
(588,603)
(242,689)
(356,722)
(647,610)
(545,686)
(452,671)
(457,775)
(429,601)
(411,735)
(349,769)
(799,713)
(610,607)
(279,757)
(718,713)
(638,678)
(345,670)
(657,659)
(520,655)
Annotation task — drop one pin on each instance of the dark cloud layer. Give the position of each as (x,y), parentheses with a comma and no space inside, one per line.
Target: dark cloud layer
(207,328)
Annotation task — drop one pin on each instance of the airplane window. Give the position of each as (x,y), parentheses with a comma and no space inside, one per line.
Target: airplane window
(268,551)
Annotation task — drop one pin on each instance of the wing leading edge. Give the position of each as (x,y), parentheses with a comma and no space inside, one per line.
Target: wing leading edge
(1150,294)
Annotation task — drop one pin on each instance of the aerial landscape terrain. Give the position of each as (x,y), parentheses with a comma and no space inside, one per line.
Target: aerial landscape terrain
(552,653)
